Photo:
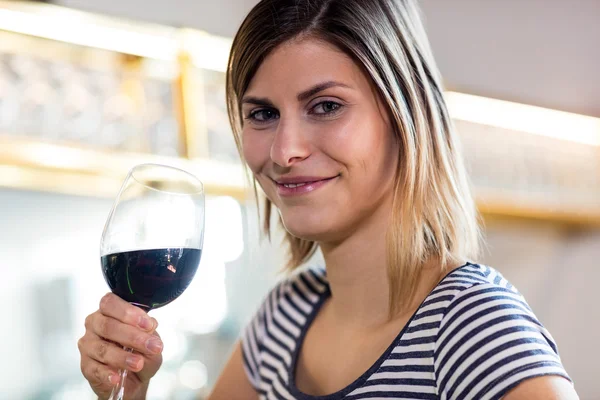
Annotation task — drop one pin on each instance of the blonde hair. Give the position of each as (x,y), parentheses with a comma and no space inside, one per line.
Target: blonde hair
(433,214)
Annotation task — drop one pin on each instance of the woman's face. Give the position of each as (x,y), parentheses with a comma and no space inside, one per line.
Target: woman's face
(318,140)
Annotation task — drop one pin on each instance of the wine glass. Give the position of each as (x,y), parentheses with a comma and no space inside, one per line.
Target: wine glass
(152,242)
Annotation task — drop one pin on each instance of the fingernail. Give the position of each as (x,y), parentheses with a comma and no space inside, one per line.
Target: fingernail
(111,378)
(154,345)
(133,362)
(145,323)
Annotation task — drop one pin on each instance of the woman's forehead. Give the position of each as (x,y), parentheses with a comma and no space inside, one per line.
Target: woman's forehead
(299,64)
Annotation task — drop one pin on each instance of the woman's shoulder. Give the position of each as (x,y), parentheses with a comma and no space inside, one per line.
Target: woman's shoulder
(479,294)
(309,283)
(294,297)
(488,339)
(472,280)
(301,289)
(472,274)
(277,324)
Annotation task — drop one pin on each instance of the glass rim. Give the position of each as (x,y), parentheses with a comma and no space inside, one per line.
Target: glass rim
(197,182)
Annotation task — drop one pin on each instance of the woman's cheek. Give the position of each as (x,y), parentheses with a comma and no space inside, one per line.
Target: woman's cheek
(252,154)
(257,156)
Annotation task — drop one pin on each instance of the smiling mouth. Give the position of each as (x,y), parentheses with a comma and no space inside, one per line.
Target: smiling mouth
(299,187)
(295,185)
(299,183)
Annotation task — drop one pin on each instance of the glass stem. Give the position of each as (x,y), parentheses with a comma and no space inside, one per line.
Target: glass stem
(118,392)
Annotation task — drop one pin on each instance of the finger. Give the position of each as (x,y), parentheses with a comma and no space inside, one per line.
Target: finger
(152,364)
(113,356)
(100,376)
(113,306)
(125,335)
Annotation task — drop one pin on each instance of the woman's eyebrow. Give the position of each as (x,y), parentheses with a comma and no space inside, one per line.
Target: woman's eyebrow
(302,96)
(319,87)
(259,101)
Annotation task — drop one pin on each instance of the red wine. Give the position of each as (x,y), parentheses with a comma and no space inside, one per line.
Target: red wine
(150,278)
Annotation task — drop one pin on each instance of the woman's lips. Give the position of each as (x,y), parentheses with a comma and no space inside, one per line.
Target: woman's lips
(301,185)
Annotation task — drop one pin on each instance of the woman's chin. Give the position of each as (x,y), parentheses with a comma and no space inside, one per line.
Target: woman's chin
(314,231)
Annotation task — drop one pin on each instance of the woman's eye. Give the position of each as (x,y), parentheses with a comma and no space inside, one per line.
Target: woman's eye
(326,107)
(263,115)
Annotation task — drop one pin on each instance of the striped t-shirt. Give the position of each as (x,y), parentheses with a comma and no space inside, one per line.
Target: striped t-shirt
(473,337)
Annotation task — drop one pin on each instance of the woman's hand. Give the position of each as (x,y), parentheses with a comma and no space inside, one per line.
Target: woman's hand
(115,325)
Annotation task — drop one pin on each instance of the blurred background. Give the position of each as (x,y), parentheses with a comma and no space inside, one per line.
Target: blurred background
(89,88)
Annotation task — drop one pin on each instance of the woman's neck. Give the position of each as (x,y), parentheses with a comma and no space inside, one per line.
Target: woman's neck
(357,275)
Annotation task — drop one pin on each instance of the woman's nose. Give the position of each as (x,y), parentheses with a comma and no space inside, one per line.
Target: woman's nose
(290,144)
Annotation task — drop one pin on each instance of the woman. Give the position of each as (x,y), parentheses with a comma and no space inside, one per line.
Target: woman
(338,111)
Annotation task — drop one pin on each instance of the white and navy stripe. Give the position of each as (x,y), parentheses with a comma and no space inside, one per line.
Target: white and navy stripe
(474,337)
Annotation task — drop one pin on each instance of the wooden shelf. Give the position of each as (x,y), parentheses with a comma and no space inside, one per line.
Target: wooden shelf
(496,207)
(33,165)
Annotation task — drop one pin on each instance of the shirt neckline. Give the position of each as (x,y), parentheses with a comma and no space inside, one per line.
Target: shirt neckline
(358,382)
